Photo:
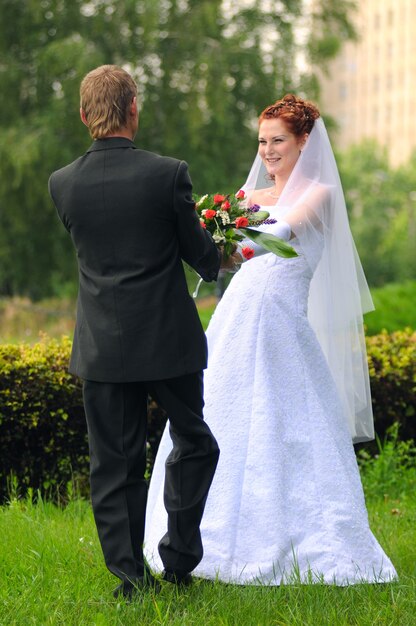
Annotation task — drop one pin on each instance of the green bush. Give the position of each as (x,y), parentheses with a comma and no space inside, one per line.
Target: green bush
(43,434)
(42,425)
(392,368)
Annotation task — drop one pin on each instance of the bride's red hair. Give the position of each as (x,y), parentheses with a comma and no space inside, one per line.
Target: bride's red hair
(299,115)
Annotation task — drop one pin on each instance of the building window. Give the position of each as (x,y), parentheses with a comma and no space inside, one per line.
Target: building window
(343,91)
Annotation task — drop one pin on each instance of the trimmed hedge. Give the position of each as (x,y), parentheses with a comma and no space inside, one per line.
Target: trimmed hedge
(43,434)
(392,368)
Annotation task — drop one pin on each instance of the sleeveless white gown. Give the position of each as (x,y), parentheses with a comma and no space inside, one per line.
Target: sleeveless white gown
(286,504)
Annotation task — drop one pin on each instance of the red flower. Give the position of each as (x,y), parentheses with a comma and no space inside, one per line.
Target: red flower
(240,195)
(241,222)
(247,252)
(203,224)
(218,199)
(210,214)
(226,205)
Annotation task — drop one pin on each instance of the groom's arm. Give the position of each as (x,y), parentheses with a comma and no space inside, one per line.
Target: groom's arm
(52,188)
(197,248)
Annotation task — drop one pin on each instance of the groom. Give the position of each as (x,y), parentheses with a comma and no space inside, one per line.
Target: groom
(132,220)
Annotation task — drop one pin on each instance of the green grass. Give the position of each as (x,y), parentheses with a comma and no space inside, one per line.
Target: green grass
(395,308)
(52,572)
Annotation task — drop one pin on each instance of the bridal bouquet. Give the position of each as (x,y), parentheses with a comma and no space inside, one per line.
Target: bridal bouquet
(229,219)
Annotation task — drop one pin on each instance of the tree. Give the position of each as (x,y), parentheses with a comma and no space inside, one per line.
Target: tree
(381,203)
(205,69)
(399,244)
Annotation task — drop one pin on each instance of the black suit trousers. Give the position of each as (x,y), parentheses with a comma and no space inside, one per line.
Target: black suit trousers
(117,427)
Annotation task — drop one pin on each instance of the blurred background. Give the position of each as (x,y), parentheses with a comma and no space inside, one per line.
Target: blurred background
(205,70)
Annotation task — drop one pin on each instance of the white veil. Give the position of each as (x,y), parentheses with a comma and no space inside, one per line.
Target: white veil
(339,293)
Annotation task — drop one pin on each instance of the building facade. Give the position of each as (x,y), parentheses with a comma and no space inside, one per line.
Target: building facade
(371,89)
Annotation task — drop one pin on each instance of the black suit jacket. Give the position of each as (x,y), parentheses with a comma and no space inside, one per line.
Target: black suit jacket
(132,220)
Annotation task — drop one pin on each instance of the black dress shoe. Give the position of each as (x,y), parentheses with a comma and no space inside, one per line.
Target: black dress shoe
(130,588)
(182,579)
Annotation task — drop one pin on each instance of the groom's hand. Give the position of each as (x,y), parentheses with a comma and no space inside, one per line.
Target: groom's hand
(231,263)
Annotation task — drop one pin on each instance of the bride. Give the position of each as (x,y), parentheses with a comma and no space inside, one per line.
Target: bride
(287,387)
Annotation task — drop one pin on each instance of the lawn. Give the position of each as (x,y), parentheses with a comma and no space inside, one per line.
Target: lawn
(51,566)
(52,573)
(394,308)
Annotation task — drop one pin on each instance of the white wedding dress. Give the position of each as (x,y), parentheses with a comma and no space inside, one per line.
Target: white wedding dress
(286,504)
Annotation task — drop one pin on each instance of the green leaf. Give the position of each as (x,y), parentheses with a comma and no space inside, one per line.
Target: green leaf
(228,249)
(260,216)
(271,243)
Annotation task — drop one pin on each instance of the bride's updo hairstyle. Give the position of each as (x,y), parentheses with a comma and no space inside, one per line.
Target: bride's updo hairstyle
(299,115)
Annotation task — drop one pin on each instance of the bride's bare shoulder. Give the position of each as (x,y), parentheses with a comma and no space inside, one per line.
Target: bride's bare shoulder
(260,196)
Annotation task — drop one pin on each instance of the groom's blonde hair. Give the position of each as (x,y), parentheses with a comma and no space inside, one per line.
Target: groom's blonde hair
(106,94)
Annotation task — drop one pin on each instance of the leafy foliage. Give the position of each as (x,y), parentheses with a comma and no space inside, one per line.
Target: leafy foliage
(42,423)
(392,368)
(43,433)
(199,65)
(382,210)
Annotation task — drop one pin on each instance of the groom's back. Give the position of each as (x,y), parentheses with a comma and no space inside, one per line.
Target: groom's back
(135,319)
(114,198)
